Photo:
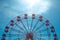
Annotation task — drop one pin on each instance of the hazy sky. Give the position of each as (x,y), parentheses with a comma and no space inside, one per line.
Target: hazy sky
(11,8)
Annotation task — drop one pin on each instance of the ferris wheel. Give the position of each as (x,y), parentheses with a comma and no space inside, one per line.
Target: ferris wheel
(29,28)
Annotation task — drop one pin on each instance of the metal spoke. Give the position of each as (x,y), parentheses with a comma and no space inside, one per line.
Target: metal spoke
(41,38)
(19,27)
(41,31)
(27,23)
(38,28)
(9,35)
(23,25)
(35,25)
(43,35)
(31,24)
(16,30)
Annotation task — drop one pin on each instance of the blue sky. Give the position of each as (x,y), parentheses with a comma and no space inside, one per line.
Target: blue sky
(11,8)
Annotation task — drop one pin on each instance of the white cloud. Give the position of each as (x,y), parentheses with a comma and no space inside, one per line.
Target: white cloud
(36,6)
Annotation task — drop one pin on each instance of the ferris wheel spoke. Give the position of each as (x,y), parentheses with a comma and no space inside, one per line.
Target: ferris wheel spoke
(18,38)
(44,38)
(33,17)
(31,24)
(39,38)
(27,23)
(43,35)
(10,35)
(16,30)
(23,25)
(35,25)
(38,28)
(19,27)
(41,31)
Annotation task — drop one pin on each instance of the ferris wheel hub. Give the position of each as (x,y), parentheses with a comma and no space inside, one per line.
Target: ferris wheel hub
(29,36)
